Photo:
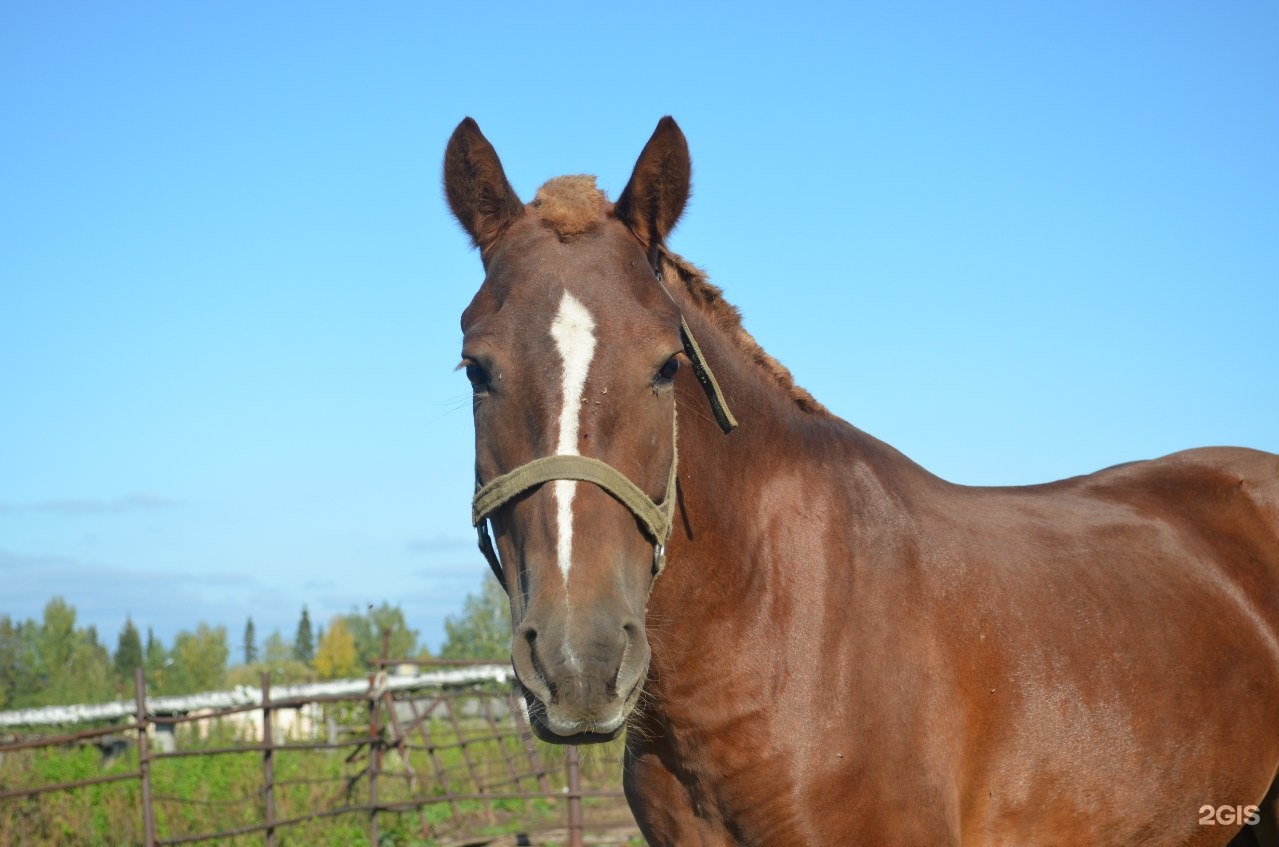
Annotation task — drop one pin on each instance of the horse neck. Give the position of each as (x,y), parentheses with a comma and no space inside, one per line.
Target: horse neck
(753,506)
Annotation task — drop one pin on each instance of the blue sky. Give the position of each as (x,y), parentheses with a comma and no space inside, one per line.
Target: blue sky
(1017,241)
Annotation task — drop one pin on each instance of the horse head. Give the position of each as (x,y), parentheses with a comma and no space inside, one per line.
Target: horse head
(572,347)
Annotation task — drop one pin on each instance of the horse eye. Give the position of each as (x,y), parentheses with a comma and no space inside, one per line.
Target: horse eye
(668,371)
(477,375)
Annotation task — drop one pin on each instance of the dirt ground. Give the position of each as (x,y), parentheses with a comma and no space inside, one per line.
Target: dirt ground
(609,825)
(620,836)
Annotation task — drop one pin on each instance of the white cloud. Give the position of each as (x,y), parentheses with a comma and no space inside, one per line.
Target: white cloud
(104,594)
(80,507)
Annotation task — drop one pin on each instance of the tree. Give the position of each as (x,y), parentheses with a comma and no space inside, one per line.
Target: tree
(335,658)
(250,643)
(483,629)
(71,667)
(15,676)
(276,658)
(89,677)
(128,652)
(276,651)
(157,661)
(199,660)
(57,640)
(367,631)
(304,641)
(52,662)
(26,683)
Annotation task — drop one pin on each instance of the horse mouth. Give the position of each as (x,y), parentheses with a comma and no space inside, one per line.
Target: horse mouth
(557,730)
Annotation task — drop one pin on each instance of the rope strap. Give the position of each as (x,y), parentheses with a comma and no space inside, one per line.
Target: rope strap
(719,406)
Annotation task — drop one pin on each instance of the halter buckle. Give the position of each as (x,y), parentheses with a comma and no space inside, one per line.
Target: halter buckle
(659,559)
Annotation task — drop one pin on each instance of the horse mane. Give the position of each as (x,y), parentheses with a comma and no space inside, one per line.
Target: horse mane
(709,298)
(574,205)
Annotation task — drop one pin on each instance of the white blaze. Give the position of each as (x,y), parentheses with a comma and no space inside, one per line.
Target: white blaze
(574,332)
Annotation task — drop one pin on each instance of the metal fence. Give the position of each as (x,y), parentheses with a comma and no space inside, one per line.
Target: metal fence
(458,758)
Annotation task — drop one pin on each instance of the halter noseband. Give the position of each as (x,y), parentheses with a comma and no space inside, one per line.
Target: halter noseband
(656,518)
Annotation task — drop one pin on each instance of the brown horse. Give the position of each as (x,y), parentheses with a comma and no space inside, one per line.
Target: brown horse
(844,649)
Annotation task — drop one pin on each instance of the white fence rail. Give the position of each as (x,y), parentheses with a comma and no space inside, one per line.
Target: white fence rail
(248,695)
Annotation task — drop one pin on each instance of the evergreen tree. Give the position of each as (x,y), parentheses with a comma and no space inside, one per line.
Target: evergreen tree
(250,643)
(12,670)
(20,682)
(128,652)
(304,642)
(156,662)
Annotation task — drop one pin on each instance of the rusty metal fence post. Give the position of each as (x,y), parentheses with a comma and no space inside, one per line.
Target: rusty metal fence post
(375,731)
(375,756)
(268,762)
(573,765)
(144,759)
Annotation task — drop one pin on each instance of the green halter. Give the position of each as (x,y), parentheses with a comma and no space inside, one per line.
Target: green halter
(655,517)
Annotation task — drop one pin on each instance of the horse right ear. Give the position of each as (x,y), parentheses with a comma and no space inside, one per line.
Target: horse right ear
(478,192)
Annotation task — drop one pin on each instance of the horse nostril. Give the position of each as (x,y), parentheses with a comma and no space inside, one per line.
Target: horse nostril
(633,634)
(624,677)
(529,665)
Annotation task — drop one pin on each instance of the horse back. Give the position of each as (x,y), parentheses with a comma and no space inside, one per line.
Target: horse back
(1223,502)
(1208,482)
(1120,627)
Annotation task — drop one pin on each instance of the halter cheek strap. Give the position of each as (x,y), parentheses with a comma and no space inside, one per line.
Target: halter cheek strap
(706,378)
(656,518)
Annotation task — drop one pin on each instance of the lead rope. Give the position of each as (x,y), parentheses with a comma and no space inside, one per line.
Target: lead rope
(719,406)
(701,369)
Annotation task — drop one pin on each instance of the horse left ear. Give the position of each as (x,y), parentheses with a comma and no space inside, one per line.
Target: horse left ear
(653,200)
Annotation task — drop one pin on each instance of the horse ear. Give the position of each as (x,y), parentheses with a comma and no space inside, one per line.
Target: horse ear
(653,200)
(478,192)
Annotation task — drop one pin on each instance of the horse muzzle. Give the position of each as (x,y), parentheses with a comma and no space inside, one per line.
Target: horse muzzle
(580,685)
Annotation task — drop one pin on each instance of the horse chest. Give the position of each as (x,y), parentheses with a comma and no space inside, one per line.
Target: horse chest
(760,779)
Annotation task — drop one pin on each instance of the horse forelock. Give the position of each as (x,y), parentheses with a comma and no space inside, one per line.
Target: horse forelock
(570,205)
(709,298)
